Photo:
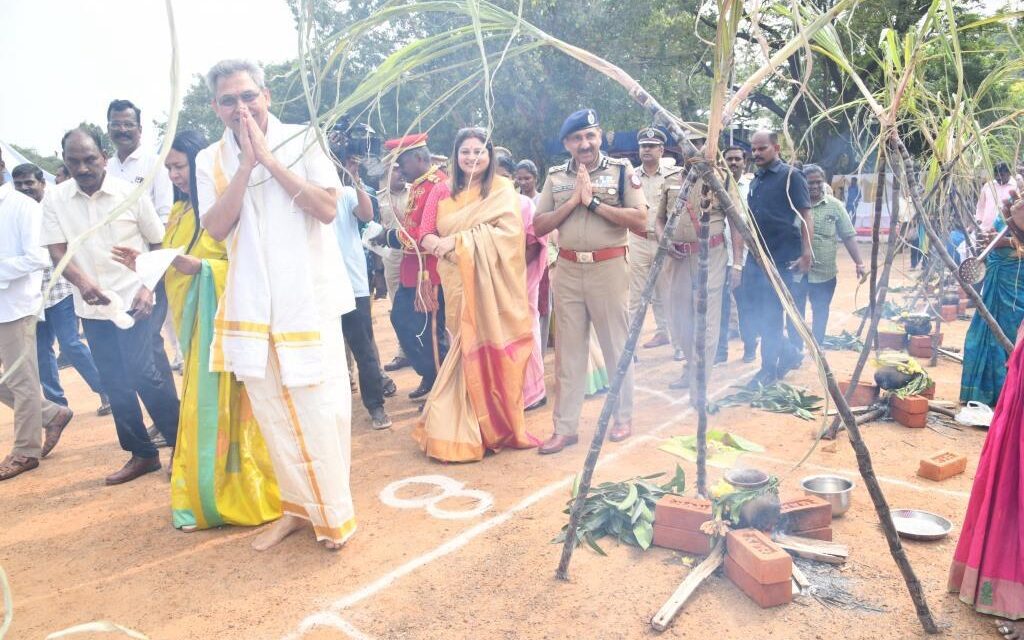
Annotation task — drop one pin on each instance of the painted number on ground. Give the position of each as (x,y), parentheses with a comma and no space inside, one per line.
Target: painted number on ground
(449,489)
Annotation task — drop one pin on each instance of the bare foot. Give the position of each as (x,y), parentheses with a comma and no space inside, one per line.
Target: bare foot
(330,545)
(276,532)
(1010,630)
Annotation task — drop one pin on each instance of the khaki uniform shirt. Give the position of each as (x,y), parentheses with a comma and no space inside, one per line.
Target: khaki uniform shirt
(654,188)
(583,230)
(389,203)
(689,217)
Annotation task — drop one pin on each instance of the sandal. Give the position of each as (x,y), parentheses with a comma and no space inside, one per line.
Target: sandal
(16,465)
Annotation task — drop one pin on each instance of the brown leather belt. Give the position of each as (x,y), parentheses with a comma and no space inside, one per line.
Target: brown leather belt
(598,255)
(688,248)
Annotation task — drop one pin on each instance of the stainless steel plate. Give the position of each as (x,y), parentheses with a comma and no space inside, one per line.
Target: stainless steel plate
(915,524)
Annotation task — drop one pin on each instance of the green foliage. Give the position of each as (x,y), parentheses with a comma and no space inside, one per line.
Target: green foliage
(777,398)
(622,509)
(46,163)
(845,341)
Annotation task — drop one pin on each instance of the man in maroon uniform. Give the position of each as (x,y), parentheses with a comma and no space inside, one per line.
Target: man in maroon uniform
(417,312)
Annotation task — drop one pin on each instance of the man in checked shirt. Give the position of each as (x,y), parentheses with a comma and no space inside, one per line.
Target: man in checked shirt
(59,321)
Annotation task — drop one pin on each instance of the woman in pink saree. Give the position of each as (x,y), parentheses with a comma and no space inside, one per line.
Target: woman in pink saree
(534,393)
(988,565)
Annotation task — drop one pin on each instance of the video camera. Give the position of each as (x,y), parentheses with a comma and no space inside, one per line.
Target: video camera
(357,141)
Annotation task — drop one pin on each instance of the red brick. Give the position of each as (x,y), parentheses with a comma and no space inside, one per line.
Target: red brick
(911,420)
(920,352)
(949,312)
(942,465)
(863,396)
(910,404)
(801,513)
(765,595)
(824,533)
(682,513)
(962,307)
(929,392)
(681,539)
(759,556)
(892,339)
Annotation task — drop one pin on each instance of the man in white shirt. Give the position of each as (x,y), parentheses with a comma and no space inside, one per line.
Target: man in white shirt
(125,358)
(21,270)
(132,164)
(59,320)
(736,161)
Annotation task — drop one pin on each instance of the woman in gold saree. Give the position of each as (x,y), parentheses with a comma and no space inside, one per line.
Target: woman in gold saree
(477,402)
(221,472)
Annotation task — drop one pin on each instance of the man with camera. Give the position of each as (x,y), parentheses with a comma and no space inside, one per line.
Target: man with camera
(354,206)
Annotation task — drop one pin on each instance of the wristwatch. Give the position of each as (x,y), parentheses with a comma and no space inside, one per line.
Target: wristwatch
(592,205)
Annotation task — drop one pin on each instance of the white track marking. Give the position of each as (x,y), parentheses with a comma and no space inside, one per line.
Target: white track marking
(450,488)
(461,540)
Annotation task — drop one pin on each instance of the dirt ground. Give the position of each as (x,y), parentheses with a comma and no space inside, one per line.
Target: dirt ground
(77,551)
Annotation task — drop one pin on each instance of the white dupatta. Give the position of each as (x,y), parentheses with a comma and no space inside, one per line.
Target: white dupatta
(278,258)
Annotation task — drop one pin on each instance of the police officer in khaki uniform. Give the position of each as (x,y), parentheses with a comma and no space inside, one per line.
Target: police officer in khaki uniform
(653,175)
(683,270)
(392,201)
(592,201)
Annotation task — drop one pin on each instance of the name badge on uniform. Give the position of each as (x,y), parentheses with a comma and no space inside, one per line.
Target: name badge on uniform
(563,187)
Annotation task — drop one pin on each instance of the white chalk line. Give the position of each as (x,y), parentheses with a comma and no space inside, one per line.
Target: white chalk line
(329,616)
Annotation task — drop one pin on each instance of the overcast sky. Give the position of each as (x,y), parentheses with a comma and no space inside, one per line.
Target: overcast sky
(65,60)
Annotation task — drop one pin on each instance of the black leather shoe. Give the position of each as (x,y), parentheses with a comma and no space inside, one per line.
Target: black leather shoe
(399,362)
(422,390)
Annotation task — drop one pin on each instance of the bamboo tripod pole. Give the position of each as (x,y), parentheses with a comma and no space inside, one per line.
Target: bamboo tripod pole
(702,166)
(700,380)
(881,291)
(940,250)
(876,225)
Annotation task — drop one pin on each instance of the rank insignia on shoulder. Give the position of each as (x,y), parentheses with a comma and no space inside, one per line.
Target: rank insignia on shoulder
(634,181)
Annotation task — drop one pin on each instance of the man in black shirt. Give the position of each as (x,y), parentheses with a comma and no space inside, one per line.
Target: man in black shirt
(781,210)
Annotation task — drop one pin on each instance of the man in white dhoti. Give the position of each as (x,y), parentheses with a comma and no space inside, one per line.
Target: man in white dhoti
(270,191)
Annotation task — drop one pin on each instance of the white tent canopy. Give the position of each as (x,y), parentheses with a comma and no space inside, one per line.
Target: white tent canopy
(12,159)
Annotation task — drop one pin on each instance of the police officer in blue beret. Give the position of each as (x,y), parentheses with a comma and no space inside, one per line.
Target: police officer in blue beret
(592,201)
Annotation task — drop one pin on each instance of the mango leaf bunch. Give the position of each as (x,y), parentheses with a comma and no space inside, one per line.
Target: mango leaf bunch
(624,510)
(777,398)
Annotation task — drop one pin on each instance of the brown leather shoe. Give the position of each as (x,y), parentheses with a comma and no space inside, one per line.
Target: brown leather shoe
(556,443)
(620,432)
(659,340)
(133,469)
(16,465)
(55,429)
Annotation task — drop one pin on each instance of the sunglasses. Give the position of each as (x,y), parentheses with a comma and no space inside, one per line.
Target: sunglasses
(248,97)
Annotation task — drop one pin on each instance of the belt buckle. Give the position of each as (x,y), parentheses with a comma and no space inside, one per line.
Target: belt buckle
(585,256)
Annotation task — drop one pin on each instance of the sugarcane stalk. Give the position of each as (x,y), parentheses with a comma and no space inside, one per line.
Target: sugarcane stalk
(700,381)
(876,225)
(882,291)
(611,401)
(940,250)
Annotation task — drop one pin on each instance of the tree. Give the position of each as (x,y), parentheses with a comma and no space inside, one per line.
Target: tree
(50,164)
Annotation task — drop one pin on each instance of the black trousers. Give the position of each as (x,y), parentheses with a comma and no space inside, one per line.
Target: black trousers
(820,294)
(747,315)
(357,327)
(769,318)
(415,329)
(130,368)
